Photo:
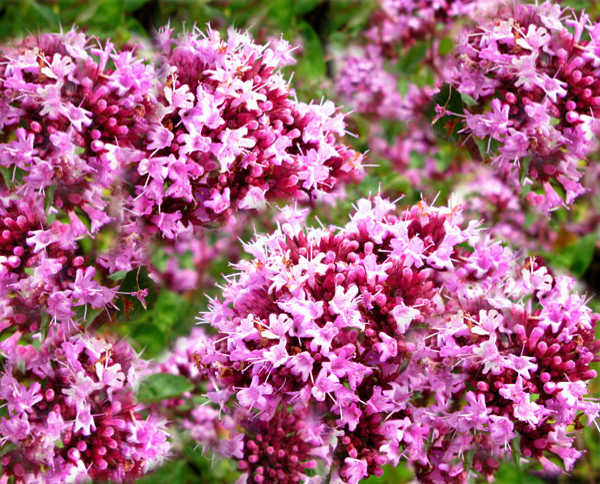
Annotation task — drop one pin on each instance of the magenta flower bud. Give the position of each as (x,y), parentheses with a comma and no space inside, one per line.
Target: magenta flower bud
(14,261)
(572,116)
(74,454)
(19,470)
(101,106)
(111,111)
(576,76)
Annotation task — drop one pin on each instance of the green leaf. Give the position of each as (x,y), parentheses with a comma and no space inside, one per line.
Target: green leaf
(447,127)
(524,169)
(172,472)
(509,473)
(311,65)
(167,310)
(6,176)
(23,17)
(118,276)
(412,59)
(148,338)
(351,15)
(583,253)
(468,100)
(446,46)
(576,257)
(302,7)
(103,18)
(7,447)
(44,14)
(516,451)
(49,197)
(281,14)
(133,5)
(396,475)
(163,386)
(44,324)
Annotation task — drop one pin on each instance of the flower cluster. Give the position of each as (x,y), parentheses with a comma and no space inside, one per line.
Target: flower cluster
(406,22)
(403,342)
(231,137)
(109,159)
(42,271)
(282,449)
(534,76)
(492,195)
(72,414)
(59,101)
(487,98)
(363,82)
(370,78)
(101,144)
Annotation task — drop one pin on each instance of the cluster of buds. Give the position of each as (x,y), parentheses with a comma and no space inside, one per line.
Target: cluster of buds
(231,137)
(534,77)
(72,414)
(106,157)
(101,144)
(406,22)
(401,341)
(42,270)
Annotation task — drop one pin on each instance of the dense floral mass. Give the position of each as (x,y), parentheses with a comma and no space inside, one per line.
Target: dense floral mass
(441,338)
(214,129)
(97,141)
(516,91)
(403,341)
(72,414)
(108,160)
(538,73)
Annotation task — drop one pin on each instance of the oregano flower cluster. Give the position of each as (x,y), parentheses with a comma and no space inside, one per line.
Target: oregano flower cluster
(405,335)
(72,414)
(97,141)
(467,102)
(533,70)
(400,24)
(107,159)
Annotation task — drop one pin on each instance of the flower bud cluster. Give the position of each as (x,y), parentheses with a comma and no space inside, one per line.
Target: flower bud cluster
(72,415)
(230,136)
(534,73)
(101,144)
(406,334)
(42,270)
